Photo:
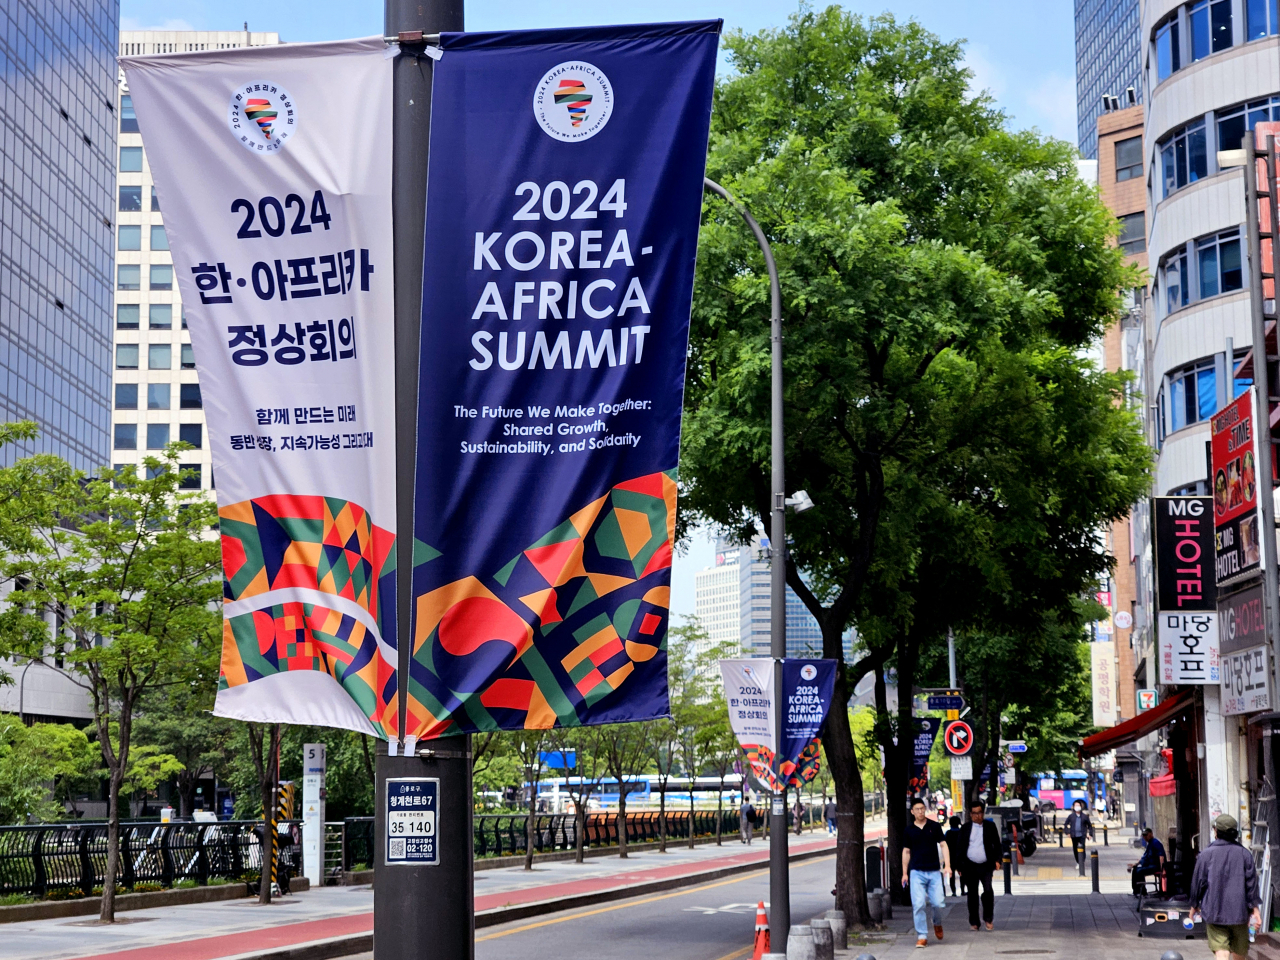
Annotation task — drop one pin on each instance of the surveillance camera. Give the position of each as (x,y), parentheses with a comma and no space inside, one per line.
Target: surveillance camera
(799,501)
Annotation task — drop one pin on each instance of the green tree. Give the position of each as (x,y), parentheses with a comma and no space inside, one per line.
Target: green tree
(939,273)
(625,747)
(583,778)
(124,568)
(33,760)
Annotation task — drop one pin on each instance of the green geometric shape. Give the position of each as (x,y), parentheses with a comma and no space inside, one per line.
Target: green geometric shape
(423,552)
(609,539)
(566,531)
(503,575)
(591,627)
(586,594)
(625,616)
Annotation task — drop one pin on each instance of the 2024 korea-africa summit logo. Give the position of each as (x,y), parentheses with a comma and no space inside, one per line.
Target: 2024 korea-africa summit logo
(262,116)
(573,101)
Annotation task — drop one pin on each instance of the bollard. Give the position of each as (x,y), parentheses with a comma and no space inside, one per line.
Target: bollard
(1171,955)
(823,941)
(867,956)
(800,944)
(839,928)
(1013,857)
(1055,819)
(1105,841)
(1059,837)
(1008,878)
(1080,858)
(1093,866)
(774,956)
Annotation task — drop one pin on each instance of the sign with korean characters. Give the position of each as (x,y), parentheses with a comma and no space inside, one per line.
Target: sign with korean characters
(1184,551)
(272,166)
(1187,647)
(1238,549)
(1102,656)
(412,830)
(1246,682)
(563,202)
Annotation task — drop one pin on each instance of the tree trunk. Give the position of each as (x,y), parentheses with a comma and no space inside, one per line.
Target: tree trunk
(107,910)
(851,890)
(691,813)
(719,809)
(898,766)
(622,819)
(528,822)
(268,772)
(662,816)
(580,820)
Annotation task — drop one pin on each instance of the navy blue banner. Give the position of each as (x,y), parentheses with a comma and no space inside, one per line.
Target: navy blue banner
(807,688)
(563,201)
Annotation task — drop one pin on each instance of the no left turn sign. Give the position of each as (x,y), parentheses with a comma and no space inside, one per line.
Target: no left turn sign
(957,737)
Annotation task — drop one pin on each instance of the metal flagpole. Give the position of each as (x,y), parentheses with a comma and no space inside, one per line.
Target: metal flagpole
(779,879)
(419,909)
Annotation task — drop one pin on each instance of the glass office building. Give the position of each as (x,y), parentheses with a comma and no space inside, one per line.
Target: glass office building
(57,222)
(1108,62)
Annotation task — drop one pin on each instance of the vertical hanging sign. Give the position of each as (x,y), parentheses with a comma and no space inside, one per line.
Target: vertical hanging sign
(1186,595)
(1235,490)
(563,201)
(273,168)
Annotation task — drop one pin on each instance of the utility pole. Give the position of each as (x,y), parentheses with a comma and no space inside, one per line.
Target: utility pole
(957,790)
(419,909)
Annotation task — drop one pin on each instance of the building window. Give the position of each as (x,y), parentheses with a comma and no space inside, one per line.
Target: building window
(189,396)
(182,309)
(130,159)
(1218,258)
(155,201)
(126,396)
(130,237)
(1168,52)
(159,239)
(1261,19)
(160,316)
(161,276)
(128,276)
(157,436)
(192,433)
(126,356)
(126,436)
(1174,277)
(131,199)
(126,316)
(1193,394)
(1133,233)
(157,396)
(1210,22)
(128,118)
(1197,489)
(188,357)
(190,476)
(159,356)
(1232,123)
(1128,159)
(1183,157)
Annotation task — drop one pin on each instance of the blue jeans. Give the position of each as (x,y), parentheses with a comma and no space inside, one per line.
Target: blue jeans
(927,889)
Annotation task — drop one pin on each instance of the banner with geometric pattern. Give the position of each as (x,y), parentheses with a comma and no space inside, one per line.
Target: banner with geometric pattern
(564,194)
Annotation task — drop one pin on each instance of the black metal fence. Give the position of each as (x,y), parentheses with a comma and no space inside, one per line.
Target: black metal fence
(69,860)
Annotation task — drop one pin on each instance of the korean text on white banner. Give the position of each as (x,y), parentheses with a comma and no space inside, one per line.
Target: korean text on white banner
(273,168)
(1186,595)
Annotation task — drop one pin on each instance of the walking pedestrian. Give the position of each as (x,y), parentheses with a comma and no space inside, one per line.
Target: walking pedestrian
(746,819)
(1224,891)
(1078,826)
(925,859)
(797,814)
(829,814)
(953,840)
(980,853)
(1151,863)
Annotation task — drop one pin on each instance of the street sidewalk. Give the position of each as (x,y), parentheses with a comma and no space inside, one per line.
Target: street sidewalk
(238,927)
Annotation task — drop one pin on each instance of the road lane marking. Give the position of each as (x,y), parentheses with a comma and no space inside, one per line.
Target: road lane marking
(738,953)
(636,903)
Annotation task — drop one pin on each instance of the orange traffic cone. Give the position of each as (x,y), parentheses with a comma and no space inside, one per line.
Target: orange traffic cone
(762,932)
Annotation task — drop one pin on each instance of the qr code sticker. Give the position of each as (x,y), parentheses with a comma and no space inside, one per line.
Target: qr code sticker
(397,850)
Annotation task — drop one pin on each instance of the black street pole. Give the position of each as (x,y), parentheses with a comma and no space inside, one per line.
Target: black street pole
(779,877)
(419,910)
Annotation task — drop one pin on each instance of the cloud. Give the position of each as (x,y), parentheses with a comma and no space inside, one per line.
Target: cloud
(133,23)
(987,76)
(1053,106)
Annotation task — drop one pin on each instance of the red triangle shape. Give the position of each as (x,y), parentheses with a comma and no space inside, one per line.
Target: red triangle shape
(650,484)
(551,559)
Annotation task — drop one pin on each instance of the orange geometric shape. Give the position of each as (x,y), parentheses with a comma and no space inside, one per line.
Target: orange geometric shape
(540,715)
(552,559)
(584,518)
(589,646)
(543,603)
(607,583)
(604,654)
(635,529)
(641,652)
(615,679)
(669,493)
(434,605)
(659,597)
(232,662)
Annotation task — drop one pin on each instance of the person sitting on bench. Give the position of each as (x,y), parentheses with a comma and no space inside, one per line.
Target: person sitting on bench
(1152,862)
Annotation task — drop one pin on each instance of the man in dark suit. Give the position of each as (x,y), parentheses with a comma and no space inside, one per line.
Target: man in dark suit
(980,854)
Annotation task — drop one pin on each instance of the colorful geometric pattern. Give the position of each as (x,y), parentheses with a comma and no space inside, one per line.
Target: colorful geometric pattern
(316,543)
(549,638)
(305,636)
(573,94)
(804,770)
(260,112)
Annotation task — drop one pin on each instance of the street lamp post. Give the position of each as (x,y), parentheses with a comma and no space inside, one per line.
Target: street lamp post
(779,880)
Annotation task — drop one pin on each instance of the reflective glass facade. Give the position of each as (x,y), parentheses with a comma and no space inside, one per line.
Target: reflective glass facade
(1108,61)
(57,222)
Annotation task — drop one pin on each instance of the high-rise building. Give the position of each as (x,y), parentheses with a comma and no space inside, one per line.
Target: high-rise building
(716,602)
(804,637)
(57,220)
(156,394)
(1108,63)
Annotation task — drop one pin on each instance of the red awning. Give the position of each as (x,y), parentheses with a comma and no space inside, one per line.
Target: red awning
(1137,727)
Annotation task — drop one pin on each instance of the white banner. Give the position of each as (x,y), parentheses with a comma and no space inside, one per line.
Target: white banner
(1246,682)
(748,691)
(273,168)
(1188,647)
(1102,659)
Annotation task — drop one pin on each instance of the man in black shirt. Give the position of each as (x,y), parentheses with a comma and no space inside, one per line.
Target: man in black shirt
(925,859)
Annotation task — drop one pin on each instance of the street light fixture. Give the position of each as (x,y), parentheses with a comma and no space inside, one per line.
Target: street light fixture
(800,501)
(779,881)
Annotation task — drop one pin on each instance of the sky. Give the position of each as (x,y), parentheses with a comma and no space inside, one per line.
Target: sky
(1021,53)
